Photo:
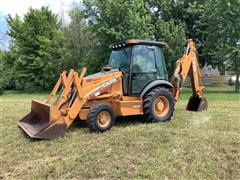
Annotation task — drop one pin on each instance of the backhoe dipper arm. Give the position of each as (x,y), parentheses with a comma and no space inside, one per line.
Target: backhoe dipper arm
(188,65)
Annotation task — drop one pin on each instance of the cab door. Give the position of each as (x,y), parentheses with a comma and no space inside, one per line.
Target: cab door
(143,68)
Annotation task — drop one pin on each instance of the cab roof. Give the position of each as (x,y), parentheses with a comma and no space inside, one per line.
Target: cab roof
(136,42)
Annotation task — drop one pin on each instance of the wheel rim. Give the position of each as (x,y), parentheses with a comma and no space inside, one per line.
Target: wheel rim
(104,119)
(161,106)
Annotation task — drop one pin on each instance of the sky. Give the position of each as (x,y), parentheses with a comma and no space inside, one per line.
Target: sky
(20,7)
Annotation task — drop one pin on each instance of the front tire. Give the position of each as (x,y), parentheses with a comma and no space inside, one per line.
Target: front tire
(100,118)
(158,105)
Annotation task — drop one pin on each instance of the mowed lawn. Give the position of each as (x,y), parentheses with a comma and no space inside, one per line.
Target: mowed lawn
(192,145)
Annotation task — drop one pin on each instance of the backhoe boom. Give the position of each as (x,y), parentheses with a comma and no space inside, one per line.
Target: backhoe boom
(188,65)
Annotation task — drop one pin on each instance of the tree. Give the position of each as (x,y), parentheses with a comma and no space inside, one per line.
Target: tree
(115,21)
(1,70)
(37,48)
(184,14)
(80,42)
(169,27)
(221,22)
(175,37)
(118,20)
(181,12)
(7,70)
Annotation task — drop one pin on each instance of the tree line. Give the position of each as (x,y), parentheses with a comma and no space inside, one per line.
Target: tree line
(42,45)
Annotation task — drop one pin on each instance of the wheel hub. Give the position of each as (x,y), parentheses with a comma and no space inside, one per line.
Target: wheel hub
(161,106)
(104,118)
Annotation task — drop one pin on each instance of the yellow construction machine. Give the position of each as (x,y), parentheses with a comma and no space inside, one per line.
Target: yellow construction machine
(135,82)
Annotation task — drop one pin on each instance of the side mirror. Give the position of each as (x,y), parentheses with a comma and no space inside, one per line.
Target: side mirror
(106,68)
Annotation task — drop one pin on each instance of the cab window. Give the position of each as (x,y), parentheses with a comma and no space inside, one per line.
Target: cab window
(161,69)
(143,61)
(120,58)
(143,68)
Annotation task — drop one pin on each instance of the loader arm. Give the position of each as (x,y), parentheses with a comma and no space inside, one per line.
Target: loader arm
(189,65)
(51,119)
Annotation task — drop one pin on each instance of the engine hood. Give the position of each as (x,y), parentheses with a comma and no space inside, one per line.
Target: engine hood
(97,76)
(101,73)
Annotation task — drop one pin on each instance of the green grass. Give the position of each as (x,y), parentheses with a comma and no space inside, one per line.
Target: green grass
(192,145)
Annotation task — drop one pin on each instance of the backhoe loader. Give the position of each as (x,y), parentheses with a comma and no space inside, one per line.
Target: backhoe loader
(135,82)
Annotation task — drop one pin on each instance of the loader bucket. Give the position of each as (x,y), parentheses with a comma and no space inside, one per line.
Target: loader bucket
(43,122)
(197,104)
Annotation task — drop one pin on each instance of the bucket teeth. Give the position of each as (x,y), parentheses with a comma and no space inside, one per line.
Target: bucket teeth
(43,122)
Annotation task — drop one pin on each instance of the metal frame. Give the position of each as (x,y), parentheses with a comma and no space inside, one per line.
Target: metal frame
(78,95)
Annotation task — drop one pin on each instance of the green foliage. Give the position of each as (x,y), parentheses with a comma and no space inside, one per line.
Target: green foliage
(80,42)
(115,21)
(221,22)
(174,35)
(37,49)
(1,70)
(7,71)
(41,47)
(182,12)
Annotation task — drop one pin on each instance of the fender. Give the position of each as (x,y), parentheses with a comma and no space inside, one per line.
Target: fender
(163,83)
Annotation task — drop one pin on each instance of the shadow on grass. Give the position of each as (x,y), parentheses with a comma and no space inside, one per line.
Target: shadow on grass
(119,121)
(129,120)
(79,125)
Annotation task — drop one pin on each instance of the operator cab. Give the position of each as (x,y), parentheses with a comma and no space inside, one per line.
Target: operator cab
(140,61)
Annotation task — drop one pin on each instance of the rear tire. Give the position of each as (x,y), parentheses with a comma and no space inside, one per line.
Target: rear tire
(100,118)
(158,105)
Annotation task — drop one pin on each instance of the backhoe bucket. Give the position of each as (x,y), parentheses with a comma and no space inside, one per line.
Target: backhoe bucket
(43,122)
(197,104)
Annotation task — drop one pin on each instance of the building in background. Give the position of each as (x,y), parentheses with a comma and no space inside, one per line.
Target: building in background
(208,70)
